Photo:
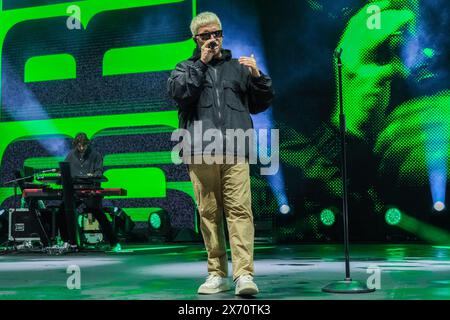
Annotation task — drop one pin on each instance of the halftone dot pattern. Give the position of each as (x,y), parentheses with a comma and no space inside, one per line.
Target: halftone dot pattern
(312,158)
(371,44)
(313,223)
(415,141)
(409,138)
(264,207)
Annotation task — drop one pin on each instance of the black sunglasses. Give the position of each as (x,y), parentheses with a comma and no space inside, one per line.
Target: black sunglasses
(207,35)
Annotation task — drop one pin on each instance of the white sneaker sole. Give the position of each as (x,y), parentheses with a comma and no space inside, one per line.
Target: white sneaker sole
(213,291)
(247,291)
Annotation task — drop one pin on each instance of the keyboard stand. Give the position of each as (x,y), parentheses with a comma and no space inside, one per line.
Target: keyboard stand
(69,204)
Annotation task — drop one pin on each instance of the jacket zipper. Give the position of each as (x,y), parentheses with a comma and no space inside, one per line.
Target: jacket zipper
(218,101)
(217,93)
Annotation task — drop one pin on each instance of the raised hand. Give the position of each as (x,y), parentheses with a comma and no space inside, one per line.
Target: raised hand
(250,62)
(208,53)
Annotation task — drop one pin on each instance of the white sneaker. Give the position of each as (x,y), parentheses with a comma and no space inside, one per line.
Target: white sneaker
(214,284)
(245,286)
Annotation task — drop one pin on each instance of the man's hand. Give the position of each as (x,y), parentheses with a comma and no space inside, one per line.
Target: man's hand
(207,52)
(416,139)
(250,62)
(366,82)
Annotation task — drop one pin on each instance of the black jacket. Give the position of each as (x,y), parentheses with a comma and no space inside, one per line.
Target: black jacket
(90,163)
(221,94)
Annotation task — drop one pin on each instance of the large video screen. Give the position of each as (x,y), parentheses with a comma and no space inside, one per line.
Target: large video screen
(101,67)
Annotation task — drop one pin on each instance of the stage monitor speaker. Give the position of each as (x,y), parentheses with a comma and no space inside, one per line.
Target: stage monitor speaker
(186,235)
(122,223)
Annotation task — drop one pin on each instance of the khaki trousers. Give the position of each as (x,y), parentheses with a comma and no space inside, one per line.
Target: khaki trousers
(225,189)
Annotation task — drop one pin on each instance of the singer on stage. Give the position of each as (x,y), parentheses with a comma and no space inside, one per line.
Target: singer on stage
(87,162)
(221,93)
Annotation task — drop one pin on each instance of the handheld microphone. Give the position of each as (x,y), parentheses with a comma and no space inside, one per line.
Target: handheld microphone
(338,53)
(212,45)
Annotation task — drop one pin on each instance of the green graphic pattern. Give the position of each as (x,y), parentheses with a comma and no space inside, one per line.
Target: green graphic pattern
(116,61)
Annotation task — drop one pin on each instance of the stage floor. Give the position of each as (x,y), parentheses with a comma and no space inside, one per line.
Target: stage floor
(175,272)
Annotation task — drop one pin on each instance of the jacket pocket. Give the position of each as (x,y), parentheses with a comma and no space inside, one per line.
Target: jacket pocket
(206,98)
(233,94)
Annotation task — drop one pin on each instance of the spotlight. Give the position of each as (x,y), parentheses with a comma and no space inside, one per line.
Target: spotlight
(428,52)
(327,217)
(285,209)
(393,216)
(439,206)
(159,224)
(155,220)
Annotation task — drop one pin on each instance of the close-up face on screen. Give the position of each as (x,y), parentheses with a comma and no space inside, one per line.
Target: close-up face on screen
(161,142)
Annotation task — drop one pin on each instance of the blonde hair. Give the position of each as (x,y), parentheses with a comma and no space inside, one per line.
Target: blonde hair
(204,19)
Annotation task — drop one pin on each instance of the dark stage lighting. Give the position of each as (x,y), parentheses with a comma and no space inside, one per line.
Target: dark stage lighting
(439,206)
(393,216)
(327,217)
(121,222)
(285,209)
(159,225)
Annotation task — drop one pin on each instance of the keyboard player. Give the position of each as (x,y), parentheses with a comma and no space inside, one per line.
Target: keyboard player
(84,162)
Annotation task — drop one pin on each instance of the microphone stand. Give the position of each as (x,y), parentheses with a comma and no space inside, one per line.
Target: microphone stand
(16,185)
(347,285)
